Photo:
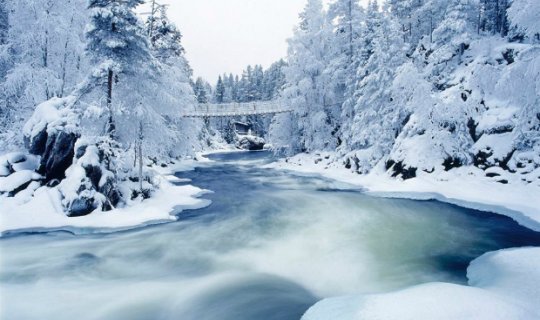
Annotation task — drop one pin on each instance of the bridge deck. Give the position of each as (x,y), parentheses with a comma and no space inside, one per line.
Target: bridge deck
(236,109)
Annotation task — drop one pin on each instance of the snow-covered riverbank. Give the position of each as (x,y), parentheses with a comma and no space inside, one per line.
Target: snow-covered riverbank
(501,284)
(466,186)
(44,212)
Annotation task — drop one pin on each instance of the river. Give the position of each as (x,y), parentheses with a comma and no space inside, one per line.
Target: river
(271,244)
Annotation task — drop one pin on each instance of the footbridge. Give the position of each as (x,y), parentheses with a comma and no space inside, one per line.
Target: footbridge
(216,110)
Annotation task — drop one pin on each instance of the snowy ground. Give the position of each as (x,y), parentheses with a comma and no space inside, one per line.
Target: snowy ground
(502,285)
(44,212)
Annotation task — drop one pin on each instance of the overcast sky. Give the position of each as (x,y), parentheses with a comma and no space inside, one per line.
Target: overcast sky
(227,35)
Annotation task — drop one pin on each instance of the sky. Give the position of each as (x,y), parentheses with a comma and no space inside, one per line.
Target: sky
(226,35)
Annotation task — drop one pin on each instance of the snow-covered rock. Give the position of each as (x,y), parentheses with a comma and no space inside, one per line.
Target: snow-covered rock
(51,133)
(17,171)
(17,181)
(90,184)
(252,143)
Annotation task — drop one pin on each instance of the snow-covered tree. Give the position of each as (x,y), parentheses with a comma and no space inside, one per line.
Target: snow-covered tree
(347,17)
(116,44)
(274,79)
(525,19)
(41,58)
(307,89)
(493,16)
(377,118)
(201,91)
(172,93)
(454,33)
(219,92)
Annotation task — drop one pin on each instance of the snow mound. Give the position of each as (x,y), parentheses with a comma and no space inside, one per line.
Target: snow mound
(503,286)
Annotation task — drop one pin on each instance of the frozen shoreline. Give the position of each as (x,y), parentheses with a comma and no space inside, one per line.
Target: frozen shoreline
(43,213)
(501,284)
(465,187)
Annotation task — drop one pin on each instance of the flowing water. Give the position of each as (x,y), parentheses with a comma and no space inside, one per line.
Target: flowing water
(271,244)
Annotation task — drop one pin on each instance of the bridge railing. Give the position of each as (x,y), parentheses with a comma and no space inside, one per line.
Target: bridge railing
(237,109)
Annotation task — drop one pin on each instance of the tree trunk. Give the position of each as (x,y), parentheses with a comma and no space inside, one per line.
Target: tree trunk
(111,128)
(139,144)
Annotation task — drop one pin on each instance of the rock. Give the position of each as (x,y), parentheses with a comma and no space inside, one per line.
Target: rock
(399,169)
(251,143)
(17,157)
(58,155)
(36,144)
(81,151)
(94,174)
(109,190)
(81,207)
(451,163)
(5,169)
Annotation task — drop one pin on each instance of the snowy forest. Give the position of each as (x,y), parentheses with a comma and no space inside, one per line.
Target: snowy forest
(401,86)
(387,166)
(415,85)
(95,93)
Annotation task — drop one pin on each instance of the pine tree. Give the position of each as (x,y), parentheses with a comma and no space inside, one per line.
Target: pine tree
(311,126)
(348,18)
(201,91)
(493,16)
(361,57)
(116,44)
(376,119)
(220,91)
(455,30)
(273,81)
(165,38)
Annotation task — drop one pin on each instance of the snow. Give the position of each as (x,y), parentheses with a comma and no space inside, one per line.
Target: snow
(17,161)
(44,212)
(502,285)
(497,118)
(465,186)
(51,115)
(526,15)
(500,144)
(17,179)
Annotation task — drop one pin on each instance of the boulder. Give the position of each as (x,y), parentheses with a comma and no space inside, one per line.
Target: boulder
(36,144)
(81,206)
(58,155)
(400,169)
(251,143)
